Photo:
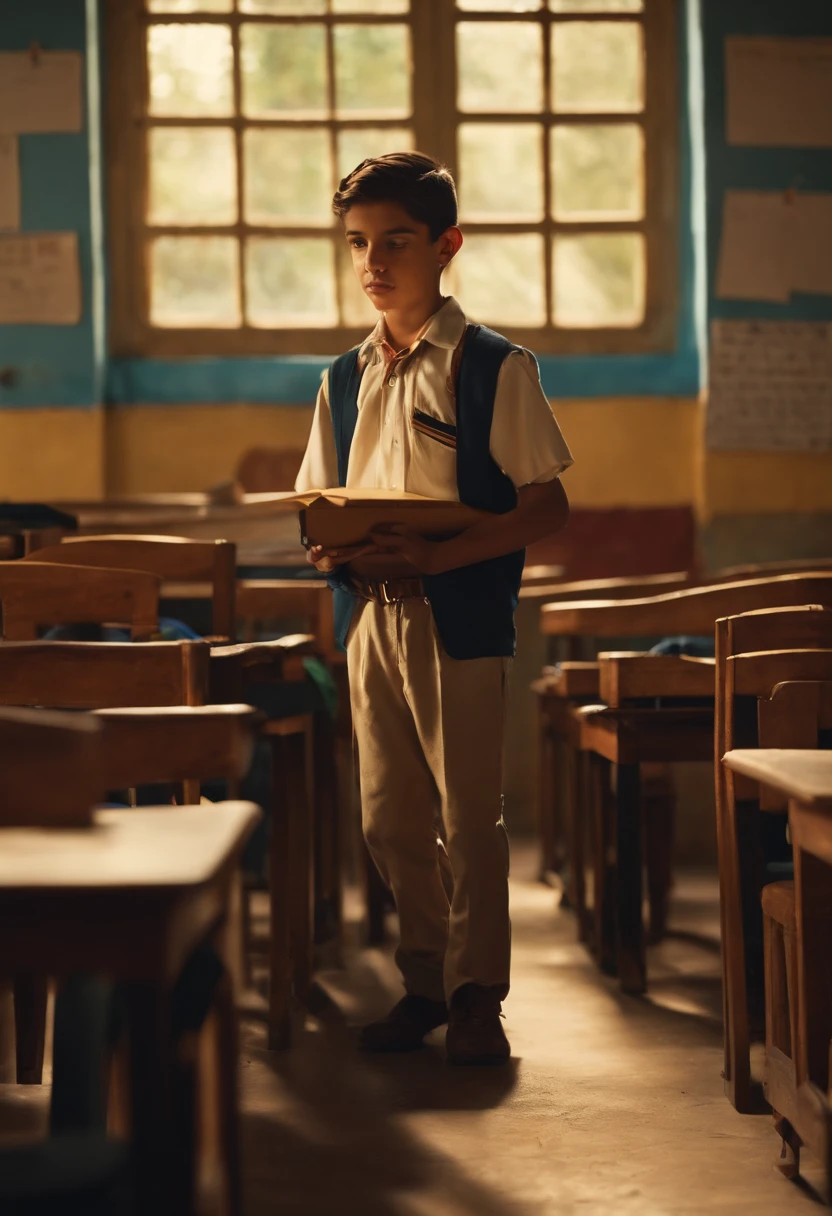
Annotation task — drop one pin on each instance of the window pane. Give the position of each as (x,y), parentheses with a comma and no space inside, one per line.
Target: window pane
(598,171)
(356,309)
(500,278)
(357,143)
(193,282)
(372,69)
(284,8)
(193,176)
(287,176)
(501,171)
(371,6)
(283,70)
(190,70)
(596,6)
(290,281)
(500,66)
(190,6)
(599,279)
(597,65)
(499,6)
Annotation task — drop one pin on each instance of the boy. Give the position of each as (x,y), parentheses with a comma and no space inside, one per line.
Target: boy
(431,406)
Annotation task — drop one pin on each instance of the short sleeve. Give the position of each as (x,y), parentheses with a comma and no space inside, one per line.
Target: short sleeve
(319,470)
(526,441)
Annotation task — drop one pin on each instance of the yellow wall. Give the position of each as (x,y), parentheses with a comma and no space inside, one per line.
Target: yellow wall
(628,452)
(51,454)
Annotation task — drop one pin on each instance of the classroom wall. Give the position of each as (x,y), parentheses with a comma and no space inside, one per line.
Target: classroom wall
(736,487)
(74,423)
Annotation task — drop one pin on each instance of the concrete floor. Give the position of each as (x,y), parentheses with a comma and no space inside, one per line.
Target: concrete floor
(610,1105)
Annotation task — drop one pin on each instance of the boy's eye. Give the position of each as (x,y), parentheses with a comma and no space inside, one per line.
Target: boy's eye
(357,243)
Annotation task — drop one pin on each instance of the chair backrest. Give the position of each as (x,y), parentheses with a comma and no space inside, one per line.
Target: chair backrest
(691,611)
(34,593)
(208,742)
(99,675)
(174,559)
(51,766)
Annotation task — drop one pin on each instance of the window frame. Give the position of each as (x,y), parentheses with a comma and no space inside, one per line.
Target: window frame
(433,35)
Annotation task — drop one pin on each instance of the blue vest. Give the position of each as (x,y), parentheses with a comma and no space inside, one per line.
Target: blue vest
(473,606)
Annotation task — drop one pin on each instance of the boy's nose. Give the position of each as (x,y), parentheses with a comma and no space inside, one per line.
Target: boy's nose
(374,260)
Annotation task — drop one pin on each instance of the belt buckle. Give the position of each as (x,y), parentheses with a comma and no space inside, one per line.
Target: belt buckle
(385,595)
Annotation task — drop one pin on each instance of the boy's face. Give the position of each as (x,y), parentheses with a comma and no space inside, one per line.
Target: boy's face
(396,262)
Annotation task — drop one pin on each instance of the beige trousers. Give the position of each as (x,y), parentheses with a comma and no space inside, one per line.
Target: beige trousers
(429,731)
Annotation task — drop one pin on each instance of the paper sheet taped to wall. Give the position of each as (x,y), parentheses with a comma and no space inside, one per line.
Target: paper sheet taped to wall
(40,92)
(9,183)
(770,386)
(779,92)
(774,243)
(40,279)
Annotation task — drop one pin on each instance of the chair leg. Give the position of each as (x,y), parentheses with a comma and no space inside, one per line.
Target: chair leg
(163,1100)
(30,1001)
(659,815)
(546,802)
(578,806)
(228,1095)
(280,880)
(603,869)
(632,964)
(328,830)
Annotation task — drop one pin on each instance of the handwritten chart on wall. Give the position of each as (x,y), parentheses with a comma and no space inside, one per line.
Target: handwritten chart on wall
(770,386)
(40,279)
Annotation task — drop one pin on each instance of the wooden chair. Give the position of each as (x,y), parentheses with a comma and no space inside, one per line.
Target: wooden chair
(627,735)
(204,568)
(99,675)
(748,712)
(130,894)
(798,967)
(233,668)
(185,566)
(35,594)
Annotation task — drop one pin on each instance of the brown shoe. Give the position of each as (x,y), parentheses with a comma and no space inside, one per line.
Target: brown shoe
(475,1032)
(405,1026)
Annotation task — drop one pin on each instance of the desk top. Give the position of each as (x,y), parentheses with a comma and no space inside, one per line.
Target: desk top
(802,774)
(161,849)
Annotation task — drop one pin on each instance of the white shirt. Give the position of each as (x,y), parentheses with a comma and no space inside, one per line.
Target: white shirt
(395,446)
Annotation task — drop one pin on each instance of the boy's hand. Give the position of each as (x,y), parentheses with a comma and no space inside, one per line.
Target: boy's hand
(423,555)
(327,560)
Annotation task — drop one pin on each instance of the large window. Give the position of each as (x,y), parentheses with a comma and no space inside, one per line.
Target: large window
(231,122)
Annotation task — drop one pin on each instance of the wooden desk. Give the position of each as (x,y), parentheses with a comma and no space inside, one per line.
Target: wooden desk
(802,1086)
(130,897)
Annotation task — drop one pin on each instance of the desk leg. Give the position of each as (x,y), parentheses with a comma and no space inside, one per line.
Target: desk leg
(280,965)
(30,1001)
(632,966)
(603,865)
(162,1091)
(578,804)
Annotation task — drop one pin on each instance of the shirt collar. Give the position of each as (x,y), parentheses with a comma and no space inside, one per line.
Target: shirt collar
(444,329)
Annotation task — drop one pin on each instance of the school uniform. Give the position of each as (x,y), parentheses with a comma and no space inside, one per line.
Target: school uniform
(458,415)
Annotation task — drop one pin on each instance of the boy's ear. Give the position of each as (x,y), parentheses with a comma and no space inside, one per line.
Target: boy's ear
(450,243)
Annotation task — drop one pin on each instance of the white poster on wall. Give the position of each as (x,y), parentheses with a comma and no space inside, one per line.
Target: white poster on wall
(40,279)
(770,386)
(774,243)
(779,92)
(40,91)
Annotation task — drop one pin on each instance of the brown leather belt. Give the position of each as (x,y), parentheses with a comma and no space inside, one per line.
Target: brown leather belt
(390,590)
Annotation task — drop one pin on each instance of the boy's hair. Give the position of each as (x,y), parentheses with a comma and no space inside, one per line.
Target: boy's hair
(416,182)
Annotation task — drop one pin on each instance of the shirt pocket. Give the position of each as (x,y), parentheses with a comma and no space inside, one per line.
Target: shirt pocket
(440,432)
